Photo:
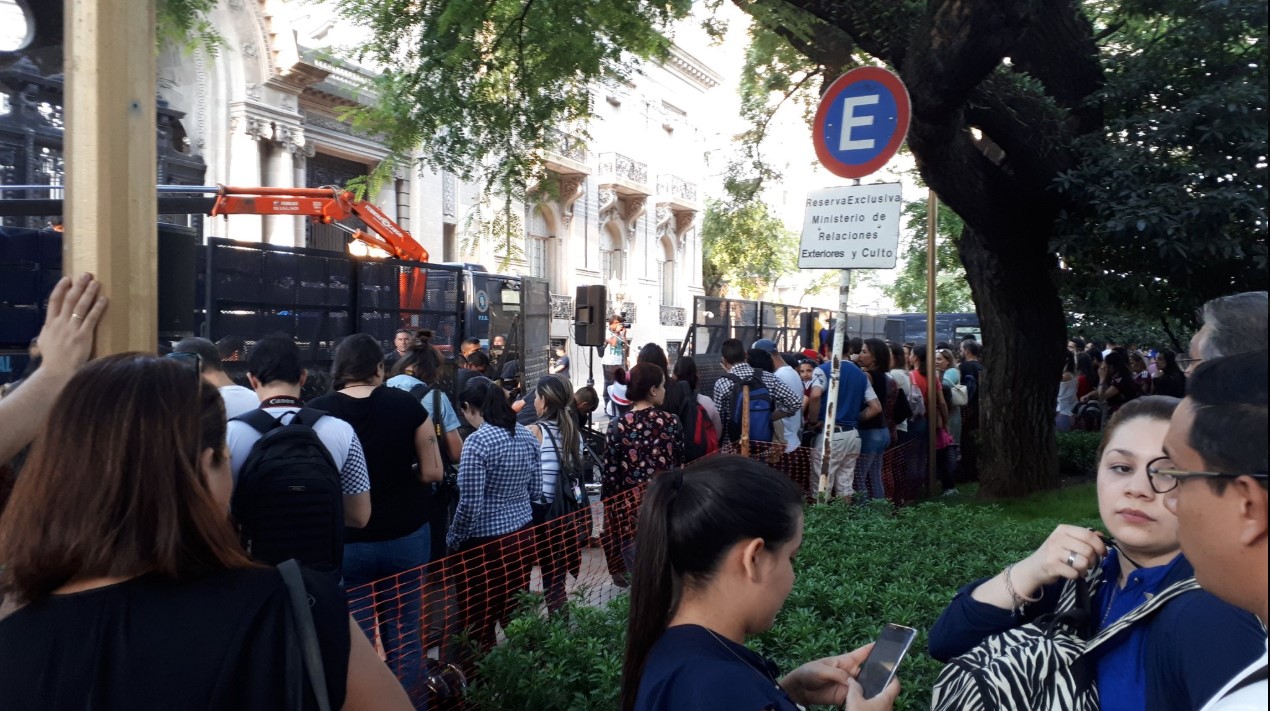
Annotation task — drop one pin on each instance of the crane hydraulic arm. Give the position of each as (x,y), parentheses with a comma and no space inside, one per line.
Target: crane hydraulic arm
(325,205)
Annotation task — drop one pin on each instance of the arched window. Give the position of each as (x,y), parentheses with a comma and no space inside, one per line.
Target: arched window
(613,253)
(666,273)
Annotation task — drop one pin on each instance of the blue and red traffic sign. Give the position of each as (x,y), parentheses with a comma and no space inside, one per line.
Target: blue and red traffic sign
(861,122)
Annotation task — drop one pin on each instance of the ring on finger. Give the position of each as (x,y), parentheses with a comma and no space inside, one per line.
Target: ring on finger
(77,316)
(1071,559)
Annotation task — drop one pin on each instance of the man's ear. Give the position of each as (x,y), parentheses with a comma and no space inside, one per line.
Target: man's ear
(304,375)
(253,381)
(1252,498)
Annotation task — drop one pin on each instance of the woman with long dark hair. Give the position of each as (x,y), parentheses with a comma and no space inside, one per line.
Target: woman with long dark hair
(383,561)
(1169,378)
(1116,382)
(717,542)
(1086,375)
(875,434)
(937,417)
(559,546)
(645,441)
(118,534)
(686,372)
(419,373)
(500,473)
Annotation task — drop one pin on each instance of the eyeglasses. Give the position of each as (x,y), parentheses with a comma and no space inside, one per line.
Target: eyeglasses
(1185,363)
(1164,478)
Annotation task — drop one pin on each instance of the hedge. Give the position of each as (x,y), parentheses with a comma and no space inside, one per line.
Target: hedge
(859,567)
(1078,453)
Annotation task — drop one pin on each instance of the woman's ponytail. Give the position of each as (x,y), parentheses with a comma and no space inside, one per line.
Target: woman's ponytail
(689,520)
(654,582)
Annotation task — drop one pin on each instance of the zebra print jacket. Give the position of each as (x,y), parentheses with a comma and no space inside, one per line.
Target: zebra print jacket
(1191,646)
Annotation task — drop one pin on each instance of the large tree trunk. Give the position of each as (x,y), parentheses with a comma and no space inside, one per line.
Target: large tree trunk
(1023,335)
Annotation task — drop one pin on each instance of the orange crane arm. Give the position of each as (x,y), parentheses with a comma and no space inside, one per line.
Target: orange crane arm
(327,206)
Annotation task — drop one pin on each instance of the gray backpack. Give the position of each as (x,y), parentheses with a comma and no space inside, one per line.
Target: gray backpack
(1041,666)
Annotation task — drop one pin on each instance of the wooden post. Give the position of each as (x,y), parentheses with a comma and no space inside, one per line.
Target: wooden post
(110,164)
(932,381)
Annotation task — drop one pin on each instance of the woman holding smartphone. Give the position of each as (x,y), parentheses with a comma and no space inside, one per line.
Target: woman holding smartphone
(1177,658)
(717,542)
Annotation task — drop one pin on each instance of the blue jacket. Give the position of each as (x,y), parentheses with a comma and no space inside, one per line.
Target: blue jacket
(1192,646)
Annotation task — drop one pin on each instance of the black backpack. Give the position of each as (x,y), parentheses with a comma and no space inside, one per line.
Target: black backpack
(288,502)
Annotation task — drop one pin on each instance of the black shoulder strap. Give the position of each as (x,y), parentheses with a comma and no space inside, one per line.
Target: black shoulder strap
(260,420)
(1256,677)
(307,416)
(313,668)
(438,419)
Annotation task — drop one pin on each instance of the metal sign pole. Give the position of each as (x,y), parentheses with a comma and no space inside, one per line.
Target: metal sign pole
(835,380)
(932,410)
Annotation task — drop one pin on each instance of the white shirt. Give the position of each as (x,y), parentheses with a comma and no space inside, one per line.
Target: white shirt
(1249,698)
(614,353)
(900,376)
(238,400)
(338,436)
(794,423)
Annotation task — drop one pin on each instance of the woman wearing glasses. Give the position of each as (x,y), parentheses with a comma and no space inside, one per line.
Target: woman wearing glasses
(1175,659)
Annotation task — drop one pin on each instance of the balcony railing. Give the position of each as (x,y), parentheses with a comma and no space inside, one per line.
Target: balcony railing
(626,168)
(562,307)
(627,308)
(676,187)
(673,315)
(568,145)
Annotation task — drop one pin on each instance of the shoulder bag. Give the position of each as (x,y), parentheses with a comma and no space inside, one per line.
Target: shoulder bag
(303,618)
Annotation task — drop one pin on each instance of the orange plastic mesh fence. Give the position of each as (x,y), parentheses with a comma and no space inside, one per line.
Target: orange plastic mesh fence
(453,610)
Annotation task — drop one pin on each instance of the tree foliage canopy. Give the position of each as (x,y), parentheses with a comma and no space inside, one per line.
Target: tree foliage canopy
(746,249)
(1166,204)
(908,291)
(482,87)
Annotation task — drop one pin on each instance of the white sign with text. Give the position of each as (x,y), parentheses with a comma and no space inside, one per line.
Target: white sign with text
(851,227)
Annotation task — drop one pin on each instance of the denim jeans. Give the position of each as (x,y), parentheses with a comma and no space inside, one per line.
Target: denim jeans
(869,470)
(394,602)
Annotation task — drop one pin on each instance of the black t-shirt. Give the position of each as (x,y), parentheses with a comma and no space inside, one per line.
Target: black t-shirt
(971,371)
(217,643)
(877,379)
(385,422)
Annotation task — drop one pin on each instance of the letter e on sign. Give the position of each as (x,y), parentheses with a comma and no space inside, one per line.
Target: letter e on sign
(861,122)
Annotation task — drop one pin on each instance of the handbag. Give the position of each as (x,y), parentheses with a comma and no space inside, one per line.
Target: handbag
(570,494)
(960,395)
(1041,666)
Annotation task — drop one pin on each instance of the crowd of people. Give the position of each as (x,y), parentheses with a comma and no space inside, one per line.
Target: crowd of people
(1099,377)
(164,496)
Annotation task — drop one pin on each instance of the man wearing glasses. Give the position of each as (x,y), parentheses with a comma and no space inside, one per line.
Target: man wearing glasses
(1214,479)
(1232,324)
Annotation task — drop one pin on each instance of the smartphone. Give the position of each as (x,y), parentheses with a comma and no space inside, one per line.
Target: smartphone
(884,659)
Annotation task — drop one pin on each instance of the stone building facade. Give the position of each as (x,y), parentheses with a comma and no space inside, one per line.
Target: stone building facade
(264,111)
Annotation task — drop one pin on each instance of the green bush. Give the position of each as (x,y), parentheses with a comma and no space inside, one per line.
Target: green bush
(1078,453)
(859,568)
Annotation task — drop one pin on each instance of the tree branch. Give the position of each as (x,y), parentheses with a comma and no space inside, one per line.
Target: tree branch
(1059,50)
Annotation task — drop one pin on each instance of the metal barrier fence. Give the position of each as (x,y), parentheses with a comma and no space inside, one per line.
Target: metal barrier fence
(318,297)
(453,610)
